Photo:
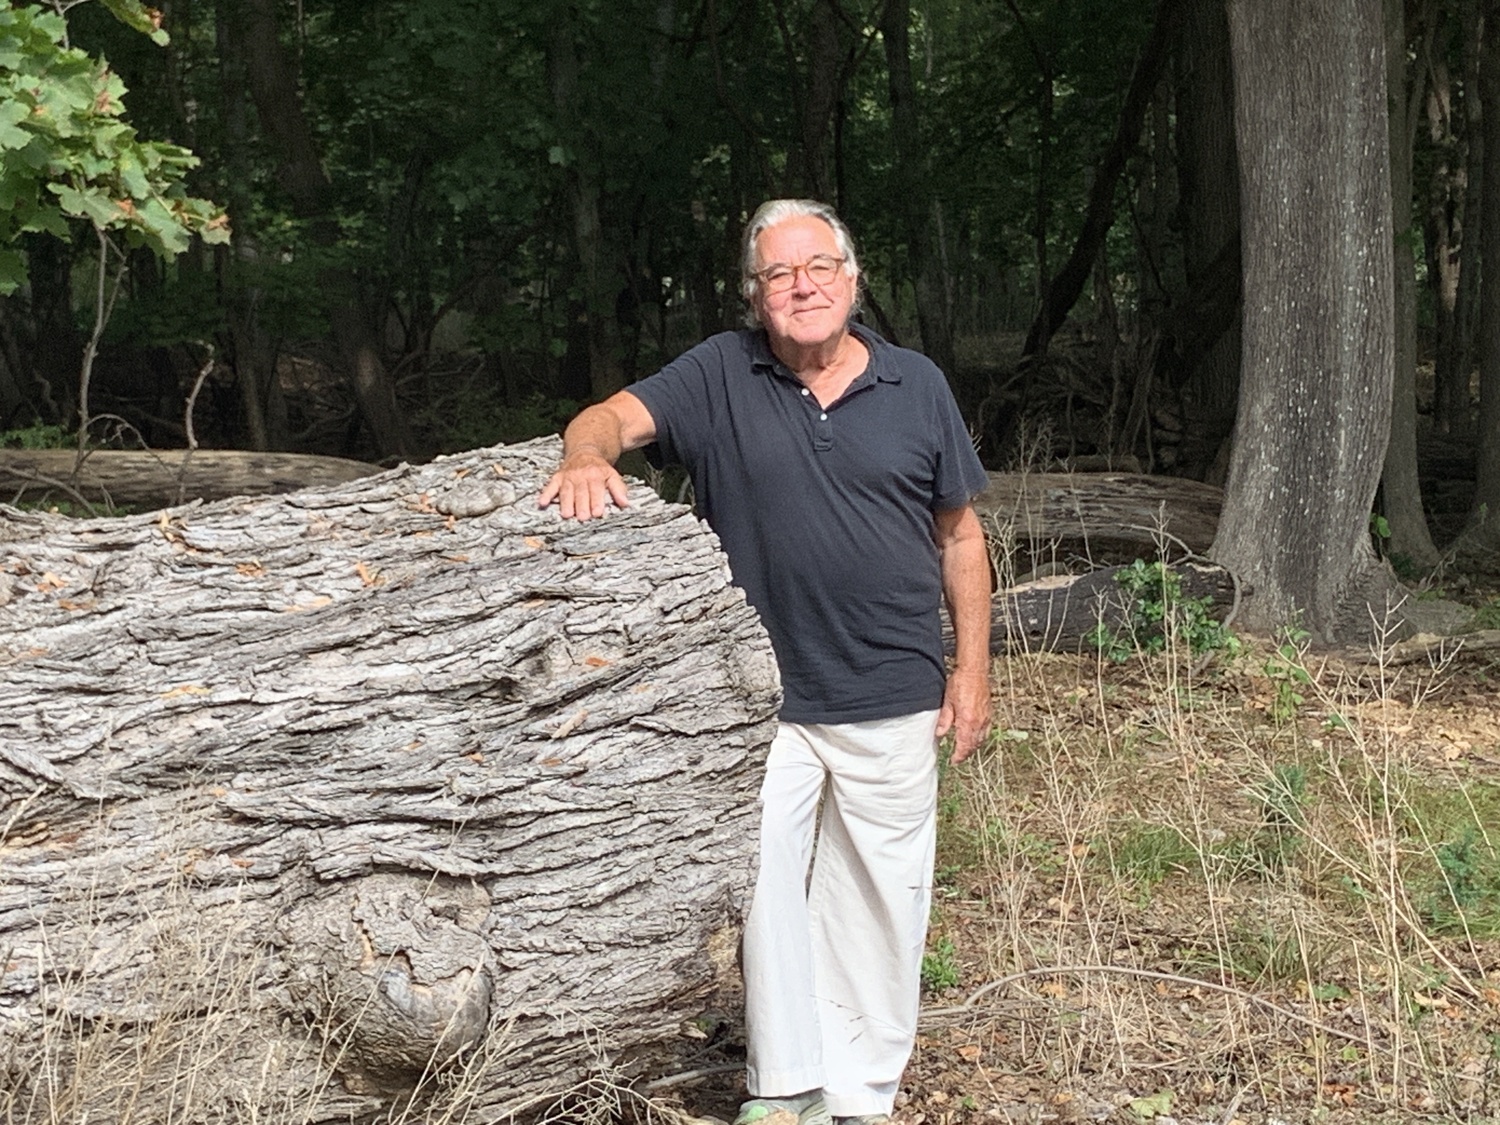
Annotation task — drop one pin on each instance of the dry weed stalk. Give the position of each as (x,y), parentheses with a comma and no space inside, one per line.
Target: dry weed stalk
(1208,878)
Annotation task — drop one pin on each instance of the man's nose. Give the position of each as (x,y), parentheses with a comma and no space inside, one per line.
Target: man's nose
(803,282)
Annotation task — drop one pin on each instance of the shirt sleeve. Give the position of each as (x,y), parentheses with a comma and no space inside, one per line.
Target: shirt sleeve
(679,399)
(960,474)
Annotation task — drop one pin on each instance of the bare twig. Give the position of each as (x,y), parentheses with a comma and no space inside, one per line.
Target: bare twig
(670,1080)
(187,423)
(104,305)
(49,482)
(1145,974)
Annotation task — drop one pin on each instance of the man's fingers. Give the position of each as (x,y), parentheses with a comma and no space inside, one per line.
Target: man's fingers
(618,491)
(945,720)
(549,490)
(584,495)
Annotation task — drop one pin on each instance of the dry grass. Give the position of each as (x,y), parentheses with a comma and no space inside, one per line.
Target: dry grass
(1263,890)
(156,1005)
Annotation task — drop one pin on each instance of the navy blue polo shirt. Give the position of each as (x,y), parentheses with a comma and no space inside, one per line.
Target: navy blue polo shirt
(826,514)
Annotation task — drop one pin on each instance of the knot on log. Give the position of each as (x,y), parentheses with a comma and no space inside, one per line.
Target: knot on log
(394,966)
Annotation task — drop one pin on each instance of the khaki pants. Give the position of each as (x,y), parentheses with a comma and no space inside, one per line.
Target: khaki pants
(833,966)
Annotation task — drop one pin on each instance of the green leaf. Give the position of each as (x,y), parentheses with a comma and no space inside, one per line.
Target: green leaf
(92,204)
(136,15)
(162,225)
(132,177)
(11,115)
(1154,1106)
(12,271)
(46,220)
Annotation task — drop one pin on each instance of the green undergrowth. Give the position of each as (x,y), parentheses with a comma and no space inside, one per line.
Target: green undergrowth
(1157,614)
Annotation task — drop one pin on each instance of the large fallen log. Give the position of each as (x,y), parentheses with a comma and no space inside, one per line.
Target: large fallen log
(309,802)
(1096,519)
(1060,613)
(144,479)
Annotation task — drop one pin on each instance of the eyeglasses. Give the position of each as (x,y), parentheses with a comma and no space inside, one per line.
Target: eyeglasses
(821,269)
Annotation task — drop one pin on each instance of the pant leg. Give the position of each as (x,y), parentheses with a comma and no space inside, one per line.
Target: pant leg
(784,1048)
(868,903)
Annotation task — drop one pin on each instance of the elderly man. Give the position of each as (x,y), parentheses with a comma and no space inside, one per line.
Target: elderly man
(838,474)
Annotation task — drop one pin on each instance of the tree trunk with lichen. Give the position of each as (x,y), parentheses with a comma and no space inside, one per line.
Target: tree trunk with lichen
(313,804)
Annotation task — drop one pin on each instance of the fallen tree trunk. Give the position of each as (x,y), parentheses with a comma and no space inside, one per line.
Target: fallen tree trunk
(162,478)
(1096,519)
(310,802)
(1058,614)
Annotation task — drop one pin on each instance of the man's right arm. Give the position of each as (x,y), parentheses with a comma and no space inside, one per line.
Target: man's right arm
(592,444)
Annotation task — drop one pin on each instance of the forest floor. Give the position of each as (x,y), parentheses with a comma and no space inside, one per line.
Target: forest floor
(1264,890)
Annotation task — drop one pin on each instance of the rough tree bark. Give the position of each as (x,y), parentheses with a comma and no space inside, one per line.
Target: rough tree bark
(1315,394)
(304,797)
(1096,518)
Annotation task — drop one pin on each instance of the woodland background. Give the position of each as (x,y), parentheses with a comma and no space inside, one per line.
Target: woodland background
(1245,880)
(456,221)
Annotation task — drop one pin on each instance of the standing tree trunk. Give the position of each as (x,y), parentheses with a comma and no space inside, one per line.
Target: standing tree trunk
(810,162)
(1406,87)
(252,351)
(310,802)
(1208,179)
(919,206)
(1315,395)
(1064,290)
(597,259)
(1041,219)
(274,89)
(1443,230)
(1484,514)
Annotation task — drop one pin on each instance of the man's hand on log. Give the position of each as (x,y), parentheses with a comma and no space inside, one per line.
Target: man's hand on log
(592,444)
(581,485)
(966,711)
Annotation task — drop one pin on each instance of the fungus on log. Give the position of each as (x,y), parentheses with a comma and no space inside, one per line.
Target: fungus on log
(310,801)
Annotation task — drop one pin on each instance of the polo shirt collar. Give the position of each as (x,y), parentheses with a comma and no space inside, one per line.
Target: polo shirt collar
(881,361)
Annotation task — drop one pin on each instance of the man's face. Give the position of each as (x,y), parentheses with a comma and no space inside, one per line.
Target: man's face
(808,314)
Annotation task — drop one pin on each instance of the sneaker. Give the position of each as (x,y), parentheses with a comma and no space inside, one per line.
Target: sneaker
(800,1109)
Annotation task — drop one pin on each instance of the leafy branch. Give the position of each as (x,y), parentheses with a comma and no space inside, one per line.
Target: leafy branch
(66,153)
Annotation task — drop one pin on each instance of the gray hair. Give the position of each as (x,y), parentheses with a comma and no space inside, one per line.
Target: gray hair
(774,211)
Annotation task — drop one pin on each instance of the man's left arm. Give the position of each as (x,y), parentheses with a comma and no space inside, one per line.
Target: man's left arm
(966,588)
